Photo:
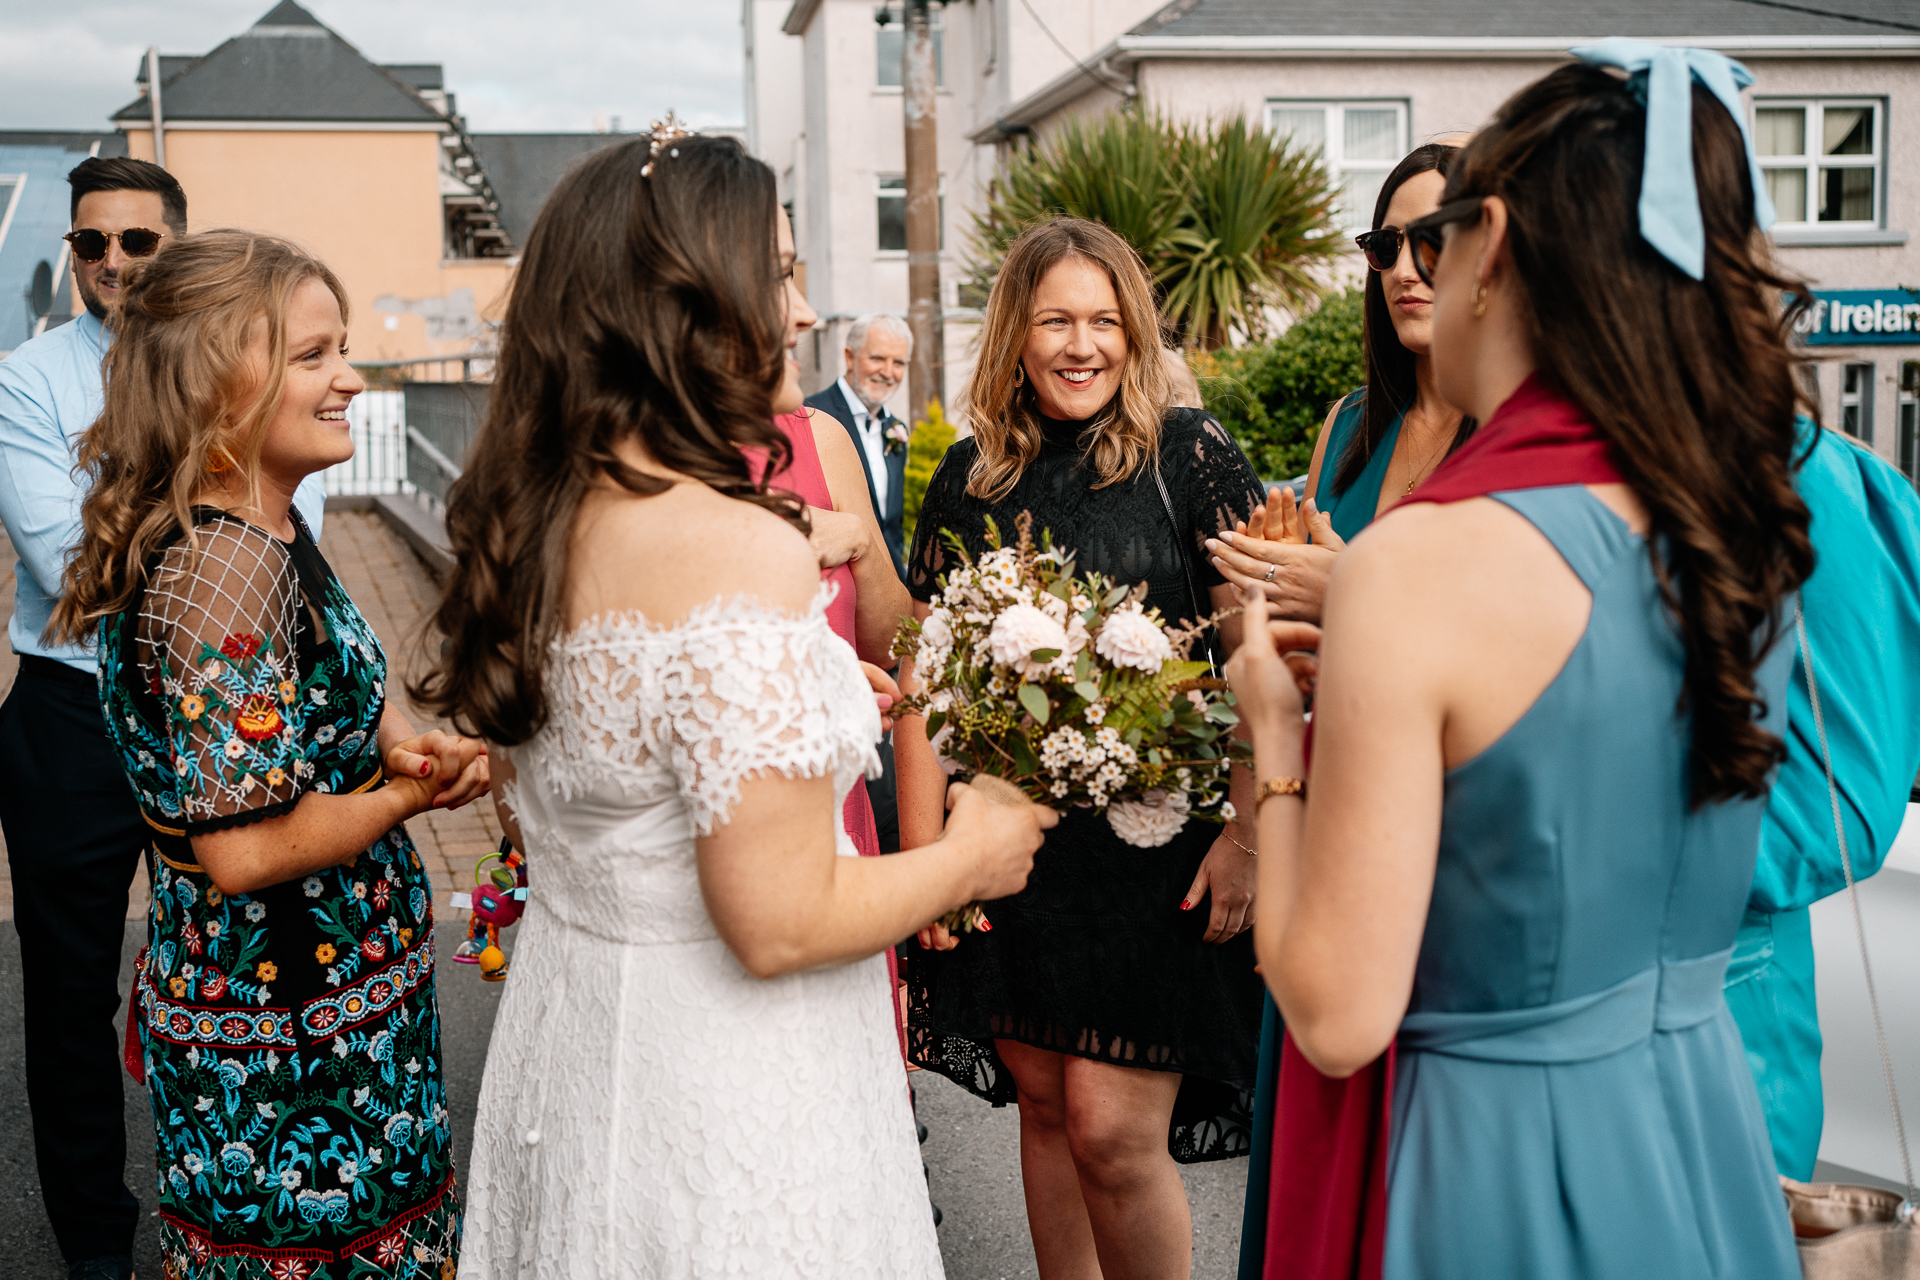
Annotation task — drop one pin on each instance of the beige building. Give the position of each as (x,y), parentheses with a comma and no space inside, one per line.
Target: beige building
(824,109)
(1835,109)
(287,128)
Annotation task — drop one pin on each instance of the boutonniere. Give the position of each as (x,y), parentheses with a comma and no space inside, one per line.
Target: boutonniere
(897,436)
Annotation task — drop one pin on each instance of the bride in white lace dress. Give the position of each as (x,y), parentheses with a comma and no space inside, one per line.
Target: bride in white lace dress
(694,1071)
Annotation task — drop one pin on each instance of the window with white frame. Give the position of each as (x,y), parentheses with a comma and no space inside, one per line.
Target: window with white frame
(1856,402)
(10,185)
(891,207)
(1822,159)
(1910,420)
(890,45)
(1359,141)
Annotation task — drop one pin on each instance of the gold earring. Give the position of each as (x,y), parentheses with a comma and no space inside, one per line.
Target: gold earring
(1020,375)
(219,462)
(1479,300)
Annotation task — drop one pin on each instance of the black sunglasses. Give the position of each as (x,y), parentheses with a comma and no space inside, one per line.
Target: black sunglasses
(91,246)
(1424,233)
(1382,247)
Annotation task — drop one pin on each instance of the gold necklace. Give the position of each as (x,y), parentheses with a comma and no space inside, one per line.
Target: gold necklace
(1420,472)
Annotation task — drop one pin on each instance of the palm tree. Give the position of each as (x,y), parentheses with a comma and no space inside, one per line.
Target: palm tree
(1232,222)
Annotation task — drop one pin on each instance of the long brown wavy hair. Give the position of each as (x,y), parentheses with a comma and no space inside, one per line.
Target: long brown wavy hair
(1006,418)
(1390,387)
(647,307)
(186,400)
(1692,381)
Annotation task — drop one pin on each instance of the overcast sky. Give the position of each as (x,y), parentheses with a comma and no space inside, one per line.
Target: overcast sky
(515,65)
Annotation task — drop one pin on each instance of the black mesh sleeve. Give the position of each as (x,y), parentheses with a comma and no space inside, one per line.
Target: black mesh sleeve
(1218,487)
(946,506)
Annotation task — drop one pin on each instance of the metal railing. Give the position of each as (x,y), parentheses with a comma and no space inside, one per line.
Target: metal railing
(411,427)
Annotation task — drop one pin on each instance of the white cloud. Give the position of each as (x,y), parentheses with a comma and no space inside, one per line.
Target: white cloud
(513,65)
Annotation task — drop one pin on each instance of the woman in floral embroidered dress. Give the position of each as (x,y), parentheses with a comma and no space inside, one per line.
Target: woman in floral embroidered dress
(285,1001)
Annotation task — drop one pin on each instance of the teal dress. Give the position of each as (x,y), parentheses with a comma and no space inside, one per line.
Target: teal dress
(1350,510)
(1570,1097)
(1862,609)
(289,1036)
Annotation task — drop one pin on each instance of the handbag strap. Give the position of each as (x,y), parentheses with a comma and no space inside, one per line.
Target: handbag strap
(1853,894)
(1186,569)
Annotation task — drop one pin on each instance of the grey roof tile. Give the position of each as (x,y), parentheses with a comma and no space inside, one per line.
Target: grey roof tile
(287,66)
(525,167)
(1521,18)
(111,144)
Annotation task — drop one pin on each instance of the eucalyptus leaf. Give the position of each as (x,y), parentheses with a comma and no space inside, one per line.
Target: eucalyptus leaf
(1087,689)
(1034,699)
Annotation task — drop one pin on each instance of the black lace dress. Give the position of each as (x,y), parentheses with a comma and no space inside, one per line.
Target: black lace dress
(1095,957)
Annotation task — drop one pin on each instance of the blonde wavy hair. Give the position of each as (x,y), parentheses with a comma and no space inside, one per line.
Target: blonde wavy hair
(1006,417)
(187,400)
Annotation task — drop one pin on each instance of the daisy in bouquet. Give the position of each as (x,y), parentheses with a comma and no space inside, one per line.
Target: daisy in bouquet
(1071,689)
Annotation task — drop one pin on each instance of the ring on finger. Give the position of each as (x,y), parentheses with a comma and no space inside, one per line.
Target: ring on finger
(1270,571)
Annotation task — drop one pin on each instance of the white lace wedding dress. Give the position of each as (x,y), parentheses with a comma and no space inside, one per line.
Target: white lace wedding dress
(649,1109)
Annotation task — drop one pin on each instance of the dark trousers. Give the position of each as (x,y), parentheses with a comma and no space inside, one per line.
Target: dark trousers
(74,837)
(883,795)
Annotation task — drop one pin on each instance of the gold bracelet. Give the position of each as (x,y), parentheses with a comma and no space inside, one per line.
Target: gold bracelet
(1279,787)
(1251,853)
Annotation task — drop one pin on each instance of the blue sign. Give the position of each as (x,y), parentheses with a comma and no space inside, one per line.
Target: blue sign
(1861,317)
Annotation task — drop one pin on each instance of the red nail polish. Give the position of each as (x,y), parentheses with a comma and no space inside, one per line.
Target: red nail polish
(1185,905)
(426,767)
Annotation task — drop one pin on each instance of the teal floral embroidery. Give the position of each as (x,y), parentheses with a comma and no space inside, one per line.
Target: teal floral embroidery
(290,1036)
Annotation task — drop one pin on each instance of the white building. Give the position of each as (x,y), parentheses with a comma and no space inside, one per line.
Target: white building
(1836,113)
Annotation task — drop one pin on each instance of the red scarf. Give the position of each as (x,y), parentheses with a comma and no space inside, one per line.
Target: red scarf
(1327,1205)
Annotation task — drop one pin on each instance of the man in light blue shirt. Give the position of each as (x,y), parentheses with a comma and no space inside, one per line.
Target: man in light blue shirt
(74,833)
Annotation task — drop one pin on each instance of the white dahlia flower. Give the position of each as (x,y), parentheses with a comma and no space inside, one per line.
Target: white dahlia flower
(936,641)
(1130,639)
(1019,631)
(1150,821)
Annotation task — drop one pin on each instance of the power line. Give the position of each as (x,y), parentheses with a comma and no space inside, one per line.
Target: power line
(1832,13)
(1085,68)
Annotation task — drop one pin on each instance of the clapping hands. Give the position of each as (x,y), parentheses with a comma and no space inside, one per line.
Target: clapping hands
(1269,549)
(1273,671)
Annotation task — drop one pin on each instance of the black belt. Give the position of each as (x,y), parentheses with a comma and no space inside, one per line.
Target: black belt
(53,669)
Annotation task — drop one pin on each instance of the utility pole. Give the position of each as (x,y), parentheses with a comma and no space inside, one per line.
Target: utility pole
(926,375)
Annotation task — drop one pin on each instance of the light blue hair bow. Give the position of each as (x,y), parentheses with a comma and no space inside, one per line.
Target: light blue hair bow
(1669,200)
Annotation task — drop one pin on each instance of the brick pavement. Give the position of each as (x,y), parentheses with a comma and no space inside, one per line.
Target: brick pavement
(394,590)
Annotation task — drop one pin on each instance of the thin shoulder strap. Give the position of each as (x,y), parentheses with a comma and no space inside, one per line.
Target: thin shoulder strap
(1853,895)
(1186,568)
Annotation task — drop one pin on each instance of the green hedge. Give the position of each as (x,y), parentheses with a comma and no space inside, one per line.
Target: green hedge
(1273,396)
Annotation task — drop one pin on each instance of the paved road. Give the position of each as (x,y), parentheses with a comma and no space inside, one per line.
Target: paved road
(972,1152)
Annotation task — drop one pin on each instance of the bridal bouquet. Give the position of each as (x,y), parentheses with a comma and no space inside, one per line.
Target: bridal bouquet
(1071,689)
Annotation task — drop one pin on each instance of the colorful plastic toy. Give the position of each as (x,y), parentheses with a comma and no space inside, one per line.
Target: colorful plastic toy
(498,898)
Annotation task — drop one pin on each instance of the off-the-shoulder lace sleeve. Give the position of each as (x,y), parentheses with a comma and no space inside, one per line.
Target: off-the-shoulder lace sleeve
(215,643)
(734,691)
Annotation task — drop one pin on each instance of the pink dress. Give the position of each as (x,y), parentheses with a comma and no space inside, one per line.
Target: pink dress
(805,477)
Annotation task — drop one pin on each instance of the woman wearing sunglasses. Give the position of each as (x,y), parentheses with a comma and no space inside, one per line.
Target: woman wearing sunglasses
(1381,440)
(1539,768)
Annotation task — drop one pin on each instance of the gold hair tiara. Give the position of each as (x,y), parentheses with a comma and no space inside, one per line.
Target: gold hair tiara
(663,132)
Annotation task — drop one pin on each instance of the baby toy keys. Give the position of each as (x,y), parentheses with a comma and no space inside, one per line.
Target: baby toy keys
(498,898)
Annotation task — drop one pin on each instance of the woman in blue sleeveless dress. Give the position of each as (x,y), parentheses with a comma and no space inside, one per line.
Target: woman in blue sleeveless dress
(1548,709)
(1367,458)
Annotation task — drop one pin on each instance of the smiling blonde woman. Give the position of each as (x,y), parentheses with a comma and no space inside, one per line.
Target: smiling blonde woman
(1115,998)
